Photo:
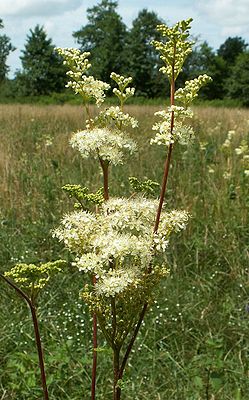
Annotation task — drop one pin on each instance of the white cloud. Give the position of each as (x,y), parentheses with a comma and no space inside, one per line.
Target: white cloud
(39,8)
(230,16)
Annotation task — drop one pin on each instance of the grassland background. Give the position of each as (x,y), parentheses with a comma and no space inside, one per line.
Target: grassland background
(194,343)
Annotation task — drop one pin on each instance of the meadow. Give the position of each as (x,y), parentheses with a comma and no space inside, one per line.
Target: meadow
(195,339)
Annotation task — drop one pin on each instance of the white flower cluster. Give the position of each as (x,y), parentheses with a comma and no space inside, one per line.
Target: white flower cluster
(243,150)
(86,86)
(116,281)
(128,92)
(104,144)
(176,48)
(227,143)
(113,116)
(118,243)
(181,133)
(123,92)
(187,94)
(90,88)
(75,59)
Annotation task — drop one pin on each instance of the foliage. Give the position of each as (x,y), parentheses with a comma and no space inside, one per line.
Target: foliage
(5,49)
(238,83)
(204,60)
(141,59)
(104,36)
(43,71)
(231,49)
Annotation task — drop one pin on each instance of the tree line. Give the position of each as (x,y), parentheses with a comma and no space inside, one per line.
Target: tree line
(114,47)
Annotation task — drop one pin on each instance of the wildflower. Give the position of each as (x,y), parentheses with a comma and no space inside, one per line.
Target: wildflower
(243,148)
(81,83)
(123,92)
(181,133)
(118,238)
(227,175)
(34,277)
(187,94)
(115,282)
(114,115)
(104,144)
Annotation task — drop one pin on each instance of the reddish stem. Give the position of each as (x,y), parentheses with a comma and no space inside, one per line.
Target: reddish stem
(168,159)
(37,334)
(105,166)
(161,200)
(39,351)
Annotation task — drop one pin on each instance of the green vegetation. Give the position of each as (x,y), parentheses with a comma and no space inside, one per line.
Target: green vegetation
(43,71)
(5,49)
(195,341)
(115,47)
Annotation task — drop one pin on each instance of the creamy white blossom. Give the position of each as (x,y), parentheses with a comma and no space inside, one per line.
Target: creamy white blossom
(119,238)
(180,133)
(81,83)
(190,91)
(90,88)
(115,282)
(104,144)
(113,116)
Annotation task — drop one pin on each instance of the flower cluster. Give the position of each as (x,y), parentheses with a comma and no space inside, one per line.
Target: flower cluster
(174,51)
(123,92)
(34,277)
(113,117)
(227,144)
(176,48)
(117,245)
(87,86)
(186,95)
(241,151)
(119,241)
(180,133)
(103,144)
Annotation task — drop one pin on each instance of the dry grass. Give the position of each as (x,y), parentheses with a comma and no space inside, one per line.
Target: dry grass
(205,298)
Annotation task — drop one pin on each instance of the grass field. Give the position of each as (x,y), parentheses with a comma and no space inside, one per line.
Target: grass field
(195,340)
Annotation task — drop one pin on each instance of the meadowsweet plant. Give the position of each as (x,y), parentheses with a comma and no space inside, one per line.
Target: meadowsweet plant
(123,245)
(28,280)
(104,138)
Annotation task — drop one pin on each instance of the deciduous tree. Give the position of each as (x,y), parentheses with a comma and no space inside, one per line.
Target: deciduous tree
(141,58)
(5,49)
(104,36)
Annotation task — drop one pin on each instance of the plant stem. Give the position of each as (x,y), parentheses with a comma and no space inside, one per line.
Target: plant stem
(95,345)
(105,166)
(116,389)
(39,351)
(168,159)
(161,200)
(37,334)
(129,347)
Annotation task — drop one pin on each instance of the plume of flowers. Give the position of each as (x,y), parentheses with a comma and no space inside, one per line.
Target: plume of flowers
(80,82)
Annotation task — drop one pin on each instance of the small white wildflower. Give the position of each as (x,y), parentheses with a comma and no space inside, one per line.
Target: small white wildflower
(227,175)
(116,282)
(103,143)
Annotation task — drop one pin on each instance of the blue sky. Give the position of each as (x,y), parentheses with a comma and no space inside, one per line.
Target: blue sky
(214,20)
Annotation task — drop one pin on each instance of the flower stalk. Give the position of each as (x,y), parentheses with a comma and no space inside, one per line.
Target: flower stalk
(31,304)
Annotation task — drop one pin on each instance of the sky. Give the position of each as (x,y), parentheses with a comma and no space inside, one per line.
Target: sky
(214,20)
